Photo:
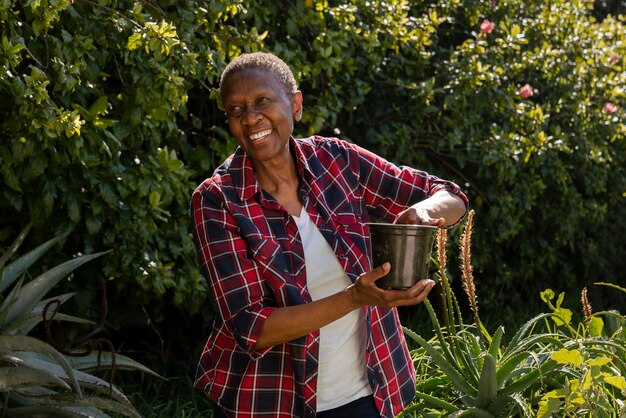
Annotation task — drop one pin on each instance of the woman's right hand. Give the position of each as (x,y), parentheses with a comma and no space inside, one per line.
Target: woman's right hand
(365,292)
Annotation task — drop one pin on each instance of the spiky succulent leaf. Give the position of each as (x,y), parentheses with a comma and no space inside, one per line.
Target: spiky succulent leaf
(11,250)
(73,401)
(41,411)
(95,383)
(500,405)
(95,361)
(12,378)
(470,413)
(37,312)
(12,271)
(9,301)
(86,412)
(457,378)
(34,400)
(429,384)
(487,385)
(439,332)
(435,402)
(529,377)
(9,343)
(494,345)
(510,364)
(522,332)
(33,292)
(28,323)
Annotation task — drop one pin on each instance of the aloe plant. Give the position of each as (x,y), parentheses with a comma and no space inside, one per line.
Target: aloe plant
(35,378)
(465,371)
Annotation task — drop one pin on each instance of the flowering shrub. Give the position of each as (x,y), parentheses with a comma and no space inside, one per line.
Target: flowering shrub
(487,27)
(109,115)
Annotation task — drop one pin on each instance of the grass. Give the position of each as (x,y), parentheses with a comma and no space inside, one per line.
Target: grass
(174,397)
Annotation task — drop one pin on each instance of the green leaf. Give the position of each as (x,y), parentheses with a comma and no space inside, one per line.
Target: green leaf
(596,325)
(562,316)
(23,326)
(94,361)
(565,356)
(559,300)
(470,413)
(429,384)
(94,383)
(93,401)
(500,404)
(438,331)
(549,404)
(9,253)
(507,367)
(99,107)
(598,361)
(515,31)
(521,333)
(155,199)
(487,385)
(529,378)
(494,346)
(16,268)
(25,343)
(617,381)
(436,402)
(69,405)
(457,378)
(32,293)
(134,41)
(45,411)
(13,378)
(612,285)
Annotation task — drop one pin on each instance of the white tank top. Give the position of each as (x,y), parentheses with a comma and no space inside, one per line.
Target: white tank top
(341,376)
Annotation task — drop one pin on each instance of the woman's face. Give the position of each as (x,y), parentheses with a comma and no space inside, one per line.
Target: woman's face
(261,114)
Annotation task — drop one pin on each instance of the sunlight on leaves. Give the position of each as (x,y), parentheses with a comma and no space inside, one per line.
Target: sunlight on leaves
(565,356)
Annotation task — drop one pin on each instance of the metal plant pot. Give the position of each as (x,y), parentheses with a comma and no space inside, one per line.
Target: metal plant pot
(407,247)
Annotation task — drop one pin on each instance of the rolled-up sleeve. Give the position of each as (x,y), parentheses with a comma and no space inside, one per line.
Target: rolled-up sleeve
(234,277)
(389,189)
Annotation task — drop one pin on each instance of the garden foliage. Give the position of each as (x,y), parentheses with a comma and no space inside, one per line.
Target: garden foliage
(36,378)
(549,367)
(109,118)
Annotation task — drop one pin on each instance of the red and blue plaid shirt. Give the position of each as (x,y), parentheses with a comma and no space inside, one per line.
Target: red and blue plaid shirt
(251,254)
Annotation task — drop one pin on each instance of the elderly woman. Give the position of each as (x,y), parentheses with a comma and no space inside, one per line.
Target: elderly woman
(301,328)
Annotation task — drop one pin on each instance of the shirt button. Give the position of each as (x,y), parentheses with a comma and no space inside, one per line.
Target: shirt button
(343,256)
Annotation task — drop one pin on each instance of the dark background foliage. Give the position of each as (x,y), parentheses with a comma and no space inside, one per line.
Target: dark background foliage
(109,118)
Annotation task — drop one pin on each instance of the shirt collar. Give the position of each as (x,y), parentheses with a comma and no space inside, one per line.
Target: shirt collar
(243,176)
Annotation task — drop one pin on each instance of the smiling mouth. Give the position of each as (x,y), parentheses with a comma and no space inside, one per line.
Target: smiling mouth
(259,135)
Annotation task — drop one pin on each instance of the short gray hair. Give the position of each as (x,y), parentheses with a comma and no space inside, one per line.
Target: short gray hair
(262,61)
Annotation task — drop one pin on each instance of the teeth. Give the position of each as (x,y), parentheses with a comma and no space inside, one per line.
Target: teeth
(262,134)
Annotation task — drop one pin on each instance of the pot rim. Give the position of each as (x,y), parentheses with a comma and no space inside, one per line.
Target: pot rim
(383,225)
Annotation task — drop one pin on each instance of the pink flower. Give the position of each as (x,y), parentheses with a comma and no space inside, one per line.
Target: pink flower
(610,107)
(487,26)
(614,58)
(526,91)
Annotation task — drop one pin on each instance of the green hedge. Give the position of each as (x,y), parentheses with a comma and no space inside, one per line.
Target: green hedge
(109,119)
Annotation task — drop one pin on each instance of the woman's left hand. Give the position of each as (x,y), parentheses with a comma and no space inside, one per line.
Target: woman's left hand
(418,216)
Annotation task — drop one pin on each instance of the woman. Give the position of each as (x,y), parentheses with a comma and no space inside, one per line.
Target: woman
(302,330)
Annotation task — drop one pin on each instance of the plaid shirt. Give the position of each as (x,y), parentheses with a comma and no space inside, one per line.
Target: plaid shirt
(251,254)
